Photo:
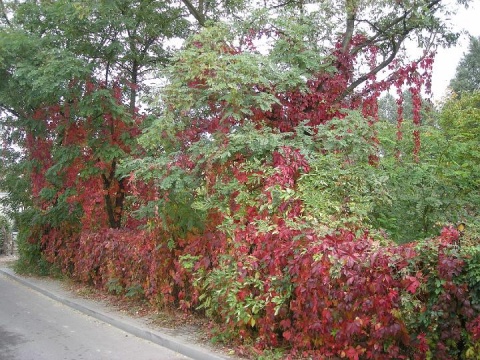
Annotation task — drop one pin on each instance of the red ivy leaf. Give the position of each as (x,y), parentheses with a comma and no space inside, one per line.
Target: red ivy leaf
(414,284)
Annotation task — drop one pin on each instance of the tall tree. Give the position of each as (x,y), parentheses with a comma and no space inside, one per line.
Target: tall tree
(320,60)
(84,63)
(388,108)
(467,75)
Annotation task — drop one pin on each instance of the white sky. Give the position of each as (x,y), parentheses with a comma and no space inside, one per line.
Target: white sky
(447,60)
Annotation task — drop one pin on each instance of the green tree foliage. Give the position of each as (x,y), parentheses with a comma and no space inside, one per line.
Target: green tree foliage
(388,108)
(71,74)
(460,119)
(441,188)
(53,53)
(342,187)
(467,75)
(424,194)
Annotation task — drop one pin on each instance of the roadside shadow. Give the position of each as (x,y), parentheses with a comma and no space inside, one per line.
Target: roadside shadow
(8,343)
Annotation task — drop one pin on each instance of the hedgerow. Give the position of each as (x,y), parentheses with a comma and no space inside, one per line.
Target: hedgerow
(249,200)
(336,295)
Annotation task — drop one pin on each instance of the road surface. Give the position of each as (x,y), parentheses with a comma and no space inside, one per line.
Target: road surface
(35,327)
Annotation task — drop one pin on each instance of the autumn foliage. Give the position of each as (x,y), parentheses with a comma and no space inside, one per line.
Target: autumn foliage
(209,214)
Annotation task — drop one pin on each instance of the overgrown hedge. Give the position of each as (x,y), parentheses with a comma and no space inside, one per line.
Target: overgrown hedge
(270,247)
(331,296)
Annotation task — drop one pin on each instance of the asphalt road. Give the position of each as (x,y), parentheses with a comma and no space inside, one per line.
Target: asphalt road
(35,327)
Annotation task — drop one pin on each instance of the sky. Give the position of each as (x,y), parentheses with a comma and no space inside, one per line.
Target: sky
(447,60)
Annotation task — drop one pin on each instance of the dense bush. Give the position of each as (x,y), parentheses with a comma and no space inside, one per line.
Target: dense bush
(259,254)
(334,295)
(259,196)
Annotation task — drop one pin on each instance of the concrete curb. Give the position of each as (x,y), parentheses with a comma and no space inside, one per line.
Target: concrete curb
(192,351)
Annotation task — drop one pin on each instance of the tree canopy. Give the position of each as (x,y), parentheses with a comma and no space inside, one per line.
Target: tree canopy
(467,75)
(74,63)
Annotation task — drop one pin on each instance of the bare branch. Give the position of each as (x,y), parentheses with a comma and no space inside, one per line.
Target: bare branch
(382,34)
(195,12)
(395,48)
